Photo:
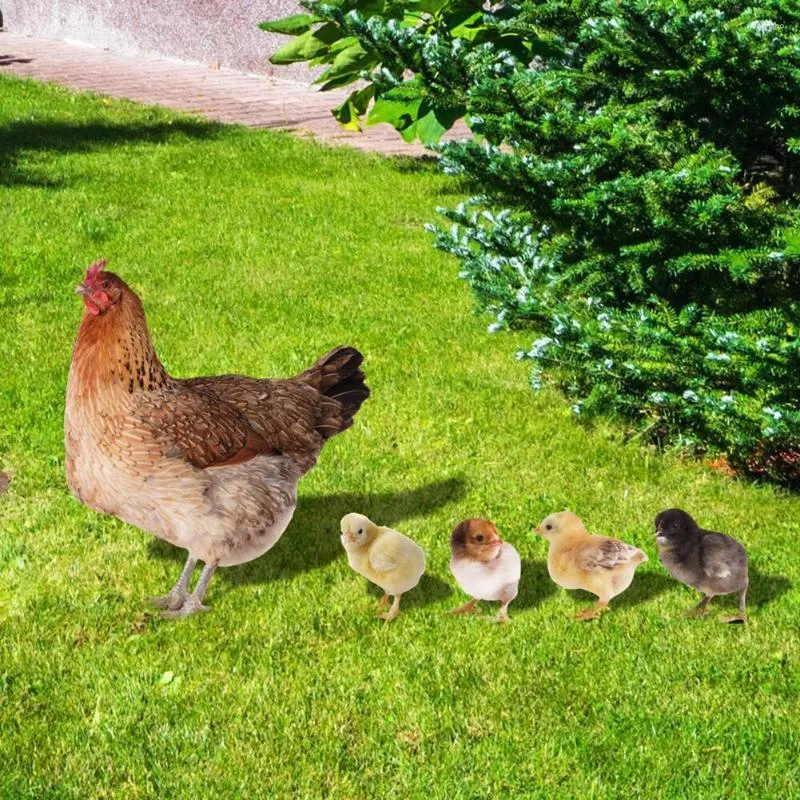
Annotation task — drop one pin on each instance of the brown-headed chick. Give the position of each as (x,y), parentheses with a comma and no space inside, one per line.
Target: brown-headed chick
(579,560)
(486,567)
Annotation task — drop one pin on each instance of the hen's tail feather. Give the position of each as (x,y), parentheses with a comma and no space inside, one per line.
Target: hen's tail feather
(337,376)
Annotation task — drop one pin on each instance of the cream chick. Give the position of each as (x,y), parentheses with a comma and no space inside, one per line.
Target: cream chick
(486,567)
(578,559)
(384,557)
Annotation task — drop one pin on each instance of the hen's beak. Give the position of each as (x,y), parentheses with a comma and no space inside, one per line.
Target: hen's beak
(81,289)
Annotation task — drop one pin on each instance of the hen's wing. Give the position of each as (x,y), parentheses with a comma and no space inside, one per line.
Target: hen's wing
(608,554)
(196,426)
(284,413)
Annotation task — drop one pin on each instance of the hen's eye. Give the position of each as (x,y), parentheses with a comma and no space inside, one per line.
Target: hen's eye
(106,284)
(479,538)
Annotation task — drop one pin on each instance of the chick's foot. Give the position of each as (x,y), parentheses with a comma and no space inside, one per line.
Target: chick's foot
(383,602)
(468,608)
(700,609)
(740,619)
(595,612)
(502,615)
(393,611)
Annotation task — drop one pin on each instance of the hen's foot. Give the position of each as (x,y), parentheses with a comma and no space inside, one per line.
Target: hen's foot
(595,612)
(191,606)
(740,619)
(468,608)
(178,594)
(173,600)
(502,618)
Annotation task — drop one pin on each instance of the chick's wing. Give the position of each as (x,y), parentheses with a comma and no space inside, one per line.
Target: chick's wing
(387,551)
(607,554)
(720,555)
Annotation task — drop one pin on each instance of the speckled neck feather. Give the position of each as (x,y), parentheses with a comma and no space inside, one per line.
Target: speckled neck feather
(114,350)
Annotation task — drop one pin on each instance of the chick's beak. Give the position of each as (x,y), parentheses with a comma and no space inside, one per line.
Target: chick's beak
(538,529)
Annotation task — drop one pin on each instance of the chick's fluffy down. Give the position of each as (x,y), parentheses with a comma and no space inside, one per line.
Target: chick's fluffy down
(394,562)
(495,580)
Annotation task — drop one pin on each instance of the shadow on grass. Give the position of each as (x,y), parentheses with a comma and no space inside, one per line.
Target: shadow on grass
(20,138)
(431,589)
(312,539)
(535,585)
(765,588)
(646,586)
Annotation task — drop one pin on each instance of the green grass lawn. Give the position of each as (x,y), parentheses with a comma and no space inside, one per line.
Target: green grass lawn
(256,252)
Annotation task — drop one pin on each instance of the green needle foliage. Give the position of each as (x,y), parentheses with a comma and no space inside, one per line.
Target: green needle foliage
(645,217)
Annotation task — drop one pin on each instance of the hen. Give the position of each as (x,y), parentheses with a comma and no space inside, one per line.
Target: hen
(210,465)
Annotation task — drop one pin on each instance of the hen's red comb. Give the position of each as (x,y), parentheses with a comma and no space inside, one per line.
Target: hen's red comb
(95,269)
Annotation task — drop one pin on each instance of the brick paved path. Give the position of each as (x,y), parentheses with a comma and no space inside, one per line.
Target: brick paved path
(223,95)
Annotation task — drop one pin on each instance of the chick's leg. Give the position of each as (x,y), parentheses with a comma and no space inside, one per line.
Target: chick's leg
(502,614)
(393,611)
(177,595)
(384,601)
(468,608)
(700,609)
(194,602)
(741,617)
(595,612)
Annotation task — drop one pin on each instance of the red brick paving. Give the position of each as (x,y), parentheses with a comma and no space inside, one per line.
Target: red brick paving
(222,95)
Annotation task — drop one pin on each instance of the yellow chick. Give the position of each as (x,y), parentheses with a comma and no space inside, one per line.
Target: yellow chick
(383,556)
(579,560)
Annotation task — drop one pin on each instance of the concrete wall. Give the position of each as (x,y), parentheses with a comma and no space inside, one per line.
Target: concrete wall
(214,32)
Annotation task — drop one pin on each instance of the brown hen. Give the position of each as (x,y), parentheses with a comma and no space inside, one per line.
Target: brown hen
(210,465)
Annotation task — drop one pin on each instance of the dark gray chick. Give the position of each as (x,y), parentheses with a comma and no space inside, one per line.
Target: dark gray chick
(710,562)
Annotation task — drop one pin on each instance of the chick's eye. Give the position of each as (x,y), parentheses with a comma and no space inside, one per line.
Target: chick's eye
(479,538)
(360,531)
(549,526)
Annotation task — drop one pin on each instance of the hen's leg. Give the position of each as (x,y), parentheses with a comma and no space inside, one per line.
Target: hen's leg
(393,611)
(470,607)
(194,602)
(177,595)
